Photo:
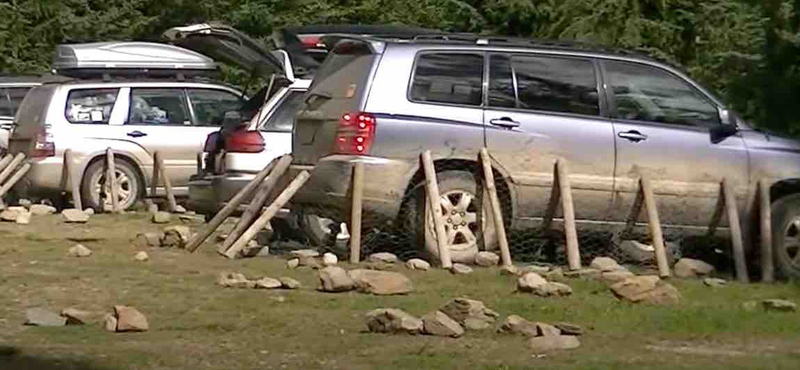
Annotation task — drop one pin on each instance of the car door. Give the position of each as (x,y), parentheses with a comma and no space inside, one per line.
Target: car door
(661,126)
(542,108)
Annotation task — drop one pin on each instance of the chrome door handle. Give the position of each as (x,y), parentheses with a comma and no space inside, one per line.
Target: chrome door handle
(633,135)
(504,122)
(136,133)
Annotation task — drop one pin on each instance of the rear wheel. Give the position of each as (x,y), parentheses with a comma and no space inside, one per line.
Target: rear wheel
(786,235)
(95,189)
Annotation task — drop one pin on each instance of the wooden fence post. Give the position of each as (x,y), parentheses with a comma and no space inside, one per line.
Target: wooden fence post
(228,209)
(355,212)
(267,215)
(156,175)
(13,180)
(654,223)
(159,169)
(497,213)
(111,176)
(565,189)
(199,159)
(72,180)
(432,186)
(736,231)
(765,213)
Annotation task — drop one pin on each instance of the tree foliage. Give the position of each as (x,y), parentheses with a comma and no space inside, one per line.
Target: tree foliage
(747,50)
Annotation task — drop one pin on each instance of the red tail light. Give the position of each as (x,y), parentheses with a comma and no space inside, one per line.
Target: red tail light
(244,141)
(44,146)
(356,133)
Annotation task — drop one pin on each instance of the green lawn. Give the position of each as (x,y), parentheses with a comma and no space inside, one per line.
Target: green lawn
(195,324)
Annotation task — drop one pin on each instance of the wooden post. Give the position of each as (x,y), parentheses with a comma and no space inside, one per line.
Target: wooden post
(573,252)
(156,173)
(654,223)
(355,212)
(11,167)
(736,231)
(765,211)
(199,159)
(160,170)
(13,180)
(111,175)
(552,206)
(228,209)
(432,186)
(497,213)
(253,209)
(5,161)
(72,180)
(267,215)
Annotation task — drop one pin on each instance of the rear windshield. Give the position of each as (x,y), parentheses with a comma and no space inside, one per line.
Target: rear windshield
(11,98)
(345,71)
(33,110)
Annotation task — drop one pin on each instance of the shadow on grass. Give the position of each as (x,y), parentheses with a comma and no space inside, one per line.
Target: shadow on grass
(12,359)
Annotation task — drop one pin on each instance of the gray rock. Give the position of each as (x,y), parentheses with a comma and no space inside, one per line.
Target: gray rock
(554,274)
(176,236)
(604,264)
(130,319)
(380,282)
(552,289)
(384,257)
(10,215)
(637,252)
(335,279)
(147,240)
(234,280)
(268,283)
(75,316)
(439,324)
(110,322)
(460,269)
(569,328)
(529,281)
(584,273)
(780,305)
(546,330)
(24,218)
(141,256)
(553,343)
(471,313)
(161,217)
(304,253)
(73,215)
(647,289)
(515,324)
(533,268)
(251,249)
(42,317)
(486,259)
(612,277)
(293,263)
(263,251)
(289,283)
(42,210)
(418,264)
(392,320)
(79,250)
(715,282)
(88,211)
(690,268)
(329,259)
(25,203)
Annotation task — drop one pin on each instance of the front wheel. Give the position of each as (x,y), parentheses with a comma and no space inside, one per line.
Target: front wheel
(96,191)
(786,235)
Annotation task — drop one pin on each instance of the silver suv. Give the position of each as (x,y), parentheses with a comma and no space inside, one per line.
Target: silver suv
(611,116)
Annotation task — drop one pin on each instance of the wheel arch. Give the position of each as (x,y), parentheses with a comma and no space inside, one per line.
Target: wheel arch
(117,156)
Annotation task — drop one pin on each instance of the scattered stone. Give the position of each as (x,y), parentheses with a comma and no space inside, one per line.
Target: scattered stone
(110,322)
(569,328)
(88,211)
(554,274)
(584,273)
(552,289)
(476,324)
(304,253)
(24,218)
(486,259)
(604,264)
(75,316)
(130,319)
(268,283)
(176,236)
(690,268)
(391,320)
(612,277)
(529,281)
(648,289)
(715,282)
(191,219)
(780,305)
(78,250)
(384,257)
(509,270)
(141,256)
(637,252)
(289,283)
(10,215)
(234,280)
(147,240)
(750,306)
(263,251)
(418,264)
(380,282)
(553,343)
(180,209)
(73,215)
(152,208)
(42,317)
(471,313)
(380,266)
(42,210)
(25,203)
(546,330)
(518,325)
(329,259)
(161,217)
(293,263)
(439,324)
(460,269)
(335,279)
(533,268)
(251,249)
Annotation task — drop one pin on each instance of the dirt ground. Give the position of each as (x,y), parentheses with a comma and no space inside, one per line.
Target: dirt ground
(195,324)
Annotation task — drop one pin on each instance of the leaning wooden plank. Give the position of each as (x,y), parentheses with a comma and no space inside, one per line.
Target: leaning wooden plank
(654,223)
(257,203)
(434,203)
(172,204)
(11,167)
(736,231)
(570,230)
(716,217)
(5,161)
(156,175)
(555,200)
(268,214)
(765,211)
(72,179)
(199,159)
(228,209)
(355,212)
(13,180)
(111,177)
(497,213)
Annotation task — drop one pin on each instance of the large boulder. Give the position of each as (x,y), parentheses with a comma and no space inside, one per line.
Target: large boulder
(690,268)
(647,289)
(42,317)
(418,264)
(472,314)
(335,279)
(380,282)
(392,320)
(604,264)
(439,324)
(130,319)
(73,215)
(529,281)
(486,259)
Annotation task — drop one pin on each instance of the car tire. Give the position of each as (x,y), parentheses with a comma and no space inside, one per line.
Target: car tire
(130,183)
(786,235)
(469,229)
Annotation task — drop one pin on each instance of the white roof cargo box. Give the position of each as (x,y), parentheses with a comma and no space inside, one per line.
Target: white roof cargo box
(129,58)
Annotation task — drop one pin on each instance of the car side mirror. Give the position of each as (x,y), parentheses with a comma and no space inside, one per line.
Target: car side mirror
(722,131)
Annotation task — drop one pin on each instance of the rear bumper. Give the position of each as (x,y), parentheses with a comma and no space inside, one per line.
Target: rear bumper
(209,194)
(45,175)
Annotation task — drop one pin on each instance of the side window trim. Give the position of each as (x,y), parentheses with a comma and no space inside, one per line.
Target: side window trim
(113,107)
(190,107)
(184,99)
(482,54)
(119,114)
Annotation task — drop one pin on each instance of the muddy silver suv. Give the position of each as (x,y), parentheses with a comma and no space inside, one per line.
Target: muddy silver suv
(611,116)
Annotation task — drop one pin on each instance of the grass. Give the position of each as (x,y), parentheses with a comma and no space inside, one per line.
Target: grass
(197,325)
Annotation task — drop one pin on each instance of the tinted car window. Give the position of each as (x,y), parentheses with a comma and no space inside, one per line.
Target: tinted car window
(563,85)
(10,99)
(209,105)
(282,118)
(90,105)
(453,78)
(501,83)
(158,107)
(645,93)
